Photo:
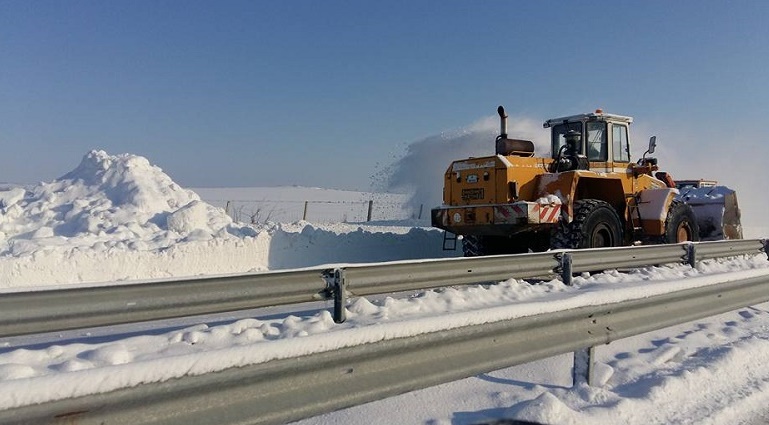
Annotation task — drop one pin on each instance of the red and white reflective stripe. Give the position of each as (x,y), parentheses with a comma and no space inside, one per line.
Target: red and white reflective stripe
(510,213)
(511,210)
(549,214)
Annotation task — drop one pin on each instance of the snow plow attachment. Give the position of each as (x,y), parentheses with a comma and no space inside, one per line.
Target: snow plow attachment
(715,208)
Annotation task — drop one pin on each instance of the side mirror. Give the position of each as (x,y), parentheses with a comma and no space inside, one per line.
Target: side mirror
(652,144)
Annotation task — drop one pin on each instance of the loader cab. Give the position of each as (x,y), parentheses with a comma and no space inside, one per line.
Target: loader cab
(605,137)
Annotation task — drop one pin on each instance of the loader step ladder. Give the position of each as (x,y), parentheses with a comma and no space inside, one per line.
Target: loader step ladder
(449,241)
(635,218)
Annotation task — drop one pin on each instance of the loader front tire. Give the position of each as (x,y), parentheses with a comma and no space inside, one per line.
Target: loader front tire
(680,224)
(595,224)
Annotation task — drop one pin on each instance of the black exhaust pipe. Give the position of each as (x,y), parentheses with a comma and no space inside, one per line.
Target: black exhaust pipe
(502,122)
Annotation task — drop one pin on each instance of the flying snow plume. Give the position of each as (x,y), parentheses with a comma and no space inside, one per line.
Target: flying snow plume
(420,171)
(738,165)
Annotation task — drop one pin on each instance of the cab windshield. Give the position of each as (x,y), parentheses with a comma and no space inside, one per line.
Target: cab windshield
(559,131)
(596,144)
(597,141)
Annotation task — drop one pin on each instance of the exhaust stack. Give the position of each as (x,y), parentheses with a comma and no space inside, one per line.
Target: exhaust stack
(505,146)
(502,123)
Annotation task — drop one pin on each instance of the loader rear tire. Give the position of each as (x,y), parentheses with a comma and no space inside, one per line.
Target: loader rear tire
(472,246)
(595,224)
(680,224)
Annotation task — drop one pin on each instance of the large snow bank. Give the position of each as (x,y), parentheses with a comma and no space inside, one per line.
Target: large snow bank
(118,217)
(119,201)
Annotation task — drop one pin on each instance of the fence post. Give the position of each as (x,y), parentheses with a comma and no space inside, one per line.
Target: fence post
(304,214)
(370,208)
(419,217)
(584,365)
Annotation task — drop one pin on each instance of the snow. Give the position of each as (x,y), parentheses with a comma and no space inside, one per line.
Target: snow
(116,218)
(549,200)
(119,218)
(714,208)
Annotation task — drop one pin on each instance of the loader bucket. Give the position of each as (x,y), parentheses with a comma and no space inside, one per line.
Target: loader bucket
(716,210)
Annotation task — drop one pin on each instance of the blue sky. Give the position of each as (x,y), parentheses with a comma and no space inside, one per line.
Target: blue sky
(316,93)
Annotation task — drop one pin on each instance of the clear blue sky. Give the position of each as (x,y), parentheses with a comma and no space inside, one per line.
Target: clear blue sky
(315,93)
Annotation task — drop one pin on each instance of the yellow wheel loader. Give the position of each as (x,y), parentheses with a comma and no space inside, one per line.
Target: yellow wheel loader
(588,194)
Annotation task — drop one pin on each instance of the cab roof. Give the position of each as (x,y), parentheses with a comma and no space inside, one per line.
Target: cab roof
(598,115)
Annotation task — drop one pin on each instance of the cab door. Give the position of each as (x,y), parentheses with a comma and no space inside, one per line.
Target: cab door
(597,145)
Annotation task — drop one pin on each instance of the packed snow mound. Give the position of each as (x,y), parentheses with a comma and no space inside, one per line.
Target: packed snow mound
(119,218)
(108,201)
(128,180)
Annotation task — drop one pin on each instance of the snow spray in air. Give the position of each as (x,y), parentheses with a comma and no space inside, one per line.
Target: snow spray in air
(420,169)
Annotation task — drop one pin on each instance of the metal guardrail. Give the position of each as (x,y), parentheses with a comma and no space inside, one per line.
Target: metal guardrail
(76,308)
(709,250)
(606,259)
(394,277)
(285,390)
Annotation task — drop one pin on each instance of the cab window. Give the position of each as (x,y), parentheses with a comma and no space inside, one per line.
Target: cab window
(620,144)
(559,131)
(597,142)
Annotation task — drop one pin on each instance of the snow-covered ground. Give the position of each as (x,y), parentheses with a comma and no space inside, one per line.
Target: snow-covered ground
(115,218)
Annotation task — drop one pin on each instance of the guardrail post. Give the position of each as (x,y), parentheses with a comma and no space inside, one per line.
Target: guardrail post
(584,363)
(691,254)
(566,273)
(340,296)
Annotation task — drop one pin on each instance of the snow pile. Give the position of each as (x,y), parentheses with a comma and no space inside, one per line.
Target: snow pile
(118,217)
(107,202)
(549,200)
(705,195)
(716,210)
